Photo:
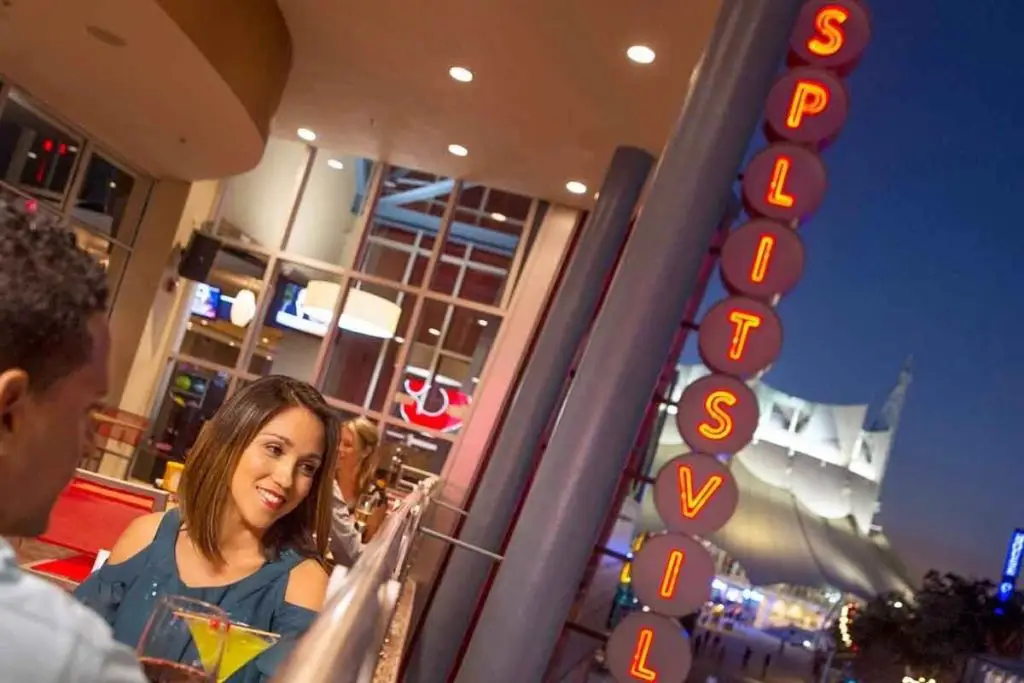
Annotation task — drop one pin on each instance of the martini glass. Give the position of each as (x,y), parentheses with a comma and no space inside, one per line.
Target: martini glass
(183,642)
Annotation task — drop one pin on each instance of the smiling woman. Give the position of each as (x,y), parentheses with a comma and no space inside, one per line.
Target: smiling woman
(251,533)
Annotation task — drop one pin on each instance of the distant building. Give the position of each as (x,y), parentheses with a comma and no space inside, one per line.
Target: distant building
(809,493)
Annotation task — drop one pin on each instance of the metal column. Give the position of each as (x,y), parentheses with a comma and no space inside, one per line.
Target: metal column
(511,461)
(568,502)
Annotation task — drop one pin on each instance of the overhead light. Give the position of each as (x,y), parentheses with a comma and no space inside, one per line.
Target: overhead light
(461,74)
(306,134)
(576,187)
(113,185)
(399,340)
(243,309)
(335,164)
(500,217)
(641,54)
(434,332)
(481,322)
(458,150)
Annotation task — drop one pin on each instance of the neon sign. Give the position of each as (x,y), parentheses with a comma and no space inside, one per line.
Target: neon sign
(672,574)
(1012,566)
(717,414)
(447,416)
(762,260)
(807,106)
(785,182)
(695,494)
(648,647)
(740,337)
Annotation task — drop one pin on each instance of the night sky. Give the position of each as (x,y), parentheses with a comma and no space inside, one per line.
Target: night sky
(917,251)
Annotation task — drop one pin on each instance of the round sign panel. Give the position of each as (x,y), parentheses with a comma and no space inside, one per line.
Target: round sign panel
(762,259)
(808,106)
(672,574)
(648,647)
(695,494)
(785,182)
(740,337)
(831,33)
(717,414)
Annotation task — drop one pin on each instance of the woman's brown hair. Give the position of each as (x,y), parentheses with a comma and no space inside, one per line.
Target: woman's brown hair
(206,482)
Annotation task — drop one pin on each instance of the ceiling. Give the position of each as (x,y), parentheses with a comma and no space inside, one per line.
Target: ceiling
(553,92)
(190,90)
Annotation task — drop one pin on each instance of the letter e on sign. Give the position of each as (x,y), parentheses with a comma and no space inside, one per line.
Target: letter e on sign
(832,34)
(717,414)
(762,259)
(807,106)
(672,574)
(784,181)
(694,494)
(648,647)
(740,336)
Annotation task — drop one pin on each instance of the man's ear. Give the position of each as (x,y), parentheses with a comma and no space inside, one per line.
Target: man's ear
(13,394)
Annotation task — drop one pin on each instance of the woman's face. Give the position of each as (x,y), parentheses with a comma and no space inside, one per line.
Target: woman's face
(277,470)
(349,453)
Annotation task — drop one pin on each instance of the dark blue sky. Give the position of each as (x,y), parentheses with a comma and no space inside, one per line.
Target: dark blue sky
(917,249)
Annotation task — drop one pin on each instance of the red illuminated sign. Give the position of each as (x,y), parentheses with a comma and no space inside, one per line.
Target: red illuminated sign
(740,337)
(717,414)
(831,33)
(695,494)
(785,181)
(808,106)
(762,259)
(648,647)
(446,415)
(672,574)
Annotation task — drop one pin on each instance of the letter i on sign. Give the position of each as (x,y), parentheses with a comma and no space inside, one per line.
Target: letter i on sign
(762,258)
(639,670)
(670,577)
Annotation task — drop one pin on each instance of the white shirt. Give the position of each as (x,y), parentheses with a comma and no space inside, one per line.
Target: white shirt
(346,541)
(46,636)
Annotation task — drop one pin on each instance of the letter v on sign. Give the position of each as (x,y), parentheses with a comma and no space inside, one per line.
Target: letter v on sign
(690,504)
(695,494)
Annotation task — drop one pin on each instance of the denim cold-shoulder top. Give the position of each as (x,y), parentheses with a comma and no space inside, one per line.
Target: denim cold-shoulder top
(124,595)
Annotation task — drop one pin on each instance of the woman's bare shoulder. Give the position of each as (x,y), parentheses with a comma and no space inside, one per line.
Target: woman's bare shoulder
(307,585)
(136,537)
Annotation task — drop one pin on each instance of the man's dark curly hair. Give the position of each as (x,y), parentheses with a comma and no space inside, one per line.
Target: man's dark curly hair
(49,289)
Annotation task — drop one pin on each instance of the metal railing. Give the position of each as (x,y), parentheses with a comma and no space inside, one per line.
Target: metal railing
(345,641)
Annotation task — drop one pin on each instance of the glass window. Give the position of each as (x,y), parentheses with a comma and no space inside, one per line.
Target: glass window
(95,245)
(329,222)
(258,203)
(407,218)
(191,396)
(103,195)
(414,448)
(447,354)
(302,301)
(36,155)
(361,363)
(224,306)
(481,244)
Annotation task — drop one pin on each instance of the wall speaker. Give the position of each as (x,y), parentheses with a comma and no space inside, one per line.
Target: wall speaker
(198,257)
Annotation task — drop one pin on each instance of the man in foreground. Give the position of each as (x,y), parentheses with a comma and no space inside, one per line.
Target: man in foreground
(53,371)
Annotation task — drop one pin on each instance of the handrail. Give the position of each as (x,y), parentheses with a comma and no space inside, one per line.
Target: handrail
(344,642)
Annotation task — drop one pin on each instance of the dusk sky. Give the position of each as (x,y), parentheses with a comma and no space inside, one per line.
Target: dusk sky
(918,250)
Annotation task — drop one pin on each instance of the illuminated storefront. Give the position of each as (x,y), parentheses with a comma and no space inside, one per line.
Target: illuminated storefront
(385,287)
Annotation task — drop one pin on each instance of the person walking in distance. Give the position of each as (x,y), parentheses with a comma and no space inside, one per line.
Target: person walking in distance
(53,371)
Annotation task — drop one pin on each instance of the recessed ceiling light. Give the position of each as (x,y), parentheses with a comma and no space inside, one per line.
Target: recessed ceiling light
(500,217)
(458,150)
(576,187)
(306,134)
(461,74)
(641,54)
(434,332)
(481,322)
(335,164)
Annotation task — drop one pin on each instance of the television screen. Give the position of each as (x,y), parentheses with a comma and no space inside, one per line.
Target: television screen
(205,301)
(291,314)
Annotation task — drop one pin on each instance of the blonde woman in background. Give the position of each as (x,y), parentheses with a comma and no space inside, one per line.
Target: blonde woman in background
(356,465)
